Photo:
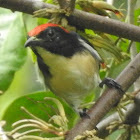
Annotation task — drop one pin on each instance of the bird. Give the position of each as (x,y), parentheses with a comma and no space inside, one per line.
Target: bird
(69,63)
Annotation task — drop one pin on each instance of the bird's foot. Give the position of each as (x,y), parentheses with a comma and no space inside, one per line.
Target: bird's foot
(111,84)
(84,108)
(83,113)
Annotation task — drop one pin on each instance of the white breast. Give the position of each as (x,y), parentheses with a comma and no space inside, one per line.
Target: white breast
(75,78)
(72,78)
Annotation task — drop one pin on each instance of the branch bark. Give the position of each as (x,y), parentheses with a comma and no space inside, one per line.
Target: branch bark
(108,99)
(131,117)
(79,19)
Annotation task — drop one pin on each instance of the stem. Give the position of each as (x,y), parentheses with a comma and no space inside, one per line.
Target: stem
(131,116)
(68,5)
(133,49)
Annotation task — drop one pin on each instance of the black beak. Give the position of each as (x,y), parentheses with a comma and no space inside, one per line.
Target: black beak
(32,41)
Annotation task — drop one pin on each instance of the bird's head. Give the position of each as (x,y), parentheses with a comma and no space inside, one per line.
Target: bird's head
(53,38)
(57,40)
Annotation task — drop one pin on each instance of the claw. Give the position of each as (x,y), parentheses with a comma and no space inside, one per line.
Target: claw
(111,84)
(84,114)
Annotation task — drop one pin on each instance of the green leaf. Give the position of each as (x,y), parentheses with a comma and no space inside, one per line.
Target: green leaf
(116,69)
(12,51)
(29,22)
(35,103)
(26,80)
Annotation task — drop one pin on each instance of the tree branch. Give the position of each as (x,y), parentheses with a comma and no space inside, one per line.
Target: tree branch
(108,99)
(131,116)
(79,19)
(26,6)
(102,131)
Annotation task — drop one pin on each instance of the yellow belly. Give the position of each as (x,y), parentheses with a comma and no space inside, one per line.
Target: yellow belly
(72,78)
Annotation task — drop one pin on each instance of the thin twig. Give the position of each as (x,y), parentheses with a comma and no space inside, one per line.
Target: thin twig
(131,116)
(68,5)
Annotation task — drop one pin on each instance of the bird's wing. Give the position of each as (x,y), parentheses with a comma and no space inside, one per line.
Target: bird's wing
(90,48)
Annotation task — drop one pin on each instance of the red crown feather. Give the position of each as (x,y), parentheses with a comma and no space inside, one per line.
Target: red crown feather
(42,27)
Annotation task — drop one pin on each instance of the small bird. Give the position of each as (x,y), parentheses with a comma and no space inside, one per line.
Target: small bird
(68,62)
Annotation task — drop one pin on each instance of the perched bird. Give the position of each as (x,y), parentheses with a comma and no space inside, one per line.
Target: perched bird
(68,62)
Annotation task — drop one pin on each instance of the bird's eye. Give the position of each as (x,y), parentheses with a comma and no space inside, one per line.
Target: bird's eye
(50,33)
